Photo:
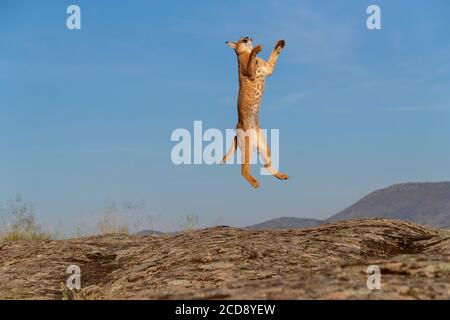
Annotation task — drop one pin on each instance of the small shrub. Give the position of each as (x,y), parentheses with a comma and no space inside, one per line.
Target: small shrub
(191,223)
(113,222)
(18,223)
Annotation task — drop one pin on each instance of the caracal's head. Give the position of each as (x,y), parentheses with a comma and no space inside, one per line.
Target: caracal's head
(243,45)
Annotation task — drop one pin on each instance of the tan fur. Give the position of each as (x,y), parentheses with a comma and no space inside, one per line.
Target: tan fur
(252,74)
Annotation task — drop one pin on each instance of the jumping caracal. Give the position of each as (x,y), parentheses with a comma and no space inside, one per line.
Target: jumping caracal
(252,74)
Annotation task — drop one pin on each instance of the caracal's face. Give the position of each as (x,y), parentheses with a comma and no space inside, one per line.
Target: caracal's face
(244,44)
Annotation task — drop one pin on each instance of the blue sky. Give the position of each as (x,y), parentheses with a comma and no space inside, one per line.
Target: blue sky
(86,115)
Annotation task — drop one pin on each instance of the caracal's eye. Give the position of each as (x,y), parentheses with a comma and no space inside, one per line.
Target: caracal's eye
(244,41)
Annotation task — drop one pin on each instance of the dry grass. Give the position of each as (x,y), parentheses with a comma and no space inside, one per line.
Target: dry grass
(88,293)
(20,234)
(19,223)
(191,222)
(112,224)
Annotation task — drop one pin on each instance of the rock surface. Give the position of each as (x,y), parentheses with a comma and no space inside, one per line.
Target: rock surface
(324,262)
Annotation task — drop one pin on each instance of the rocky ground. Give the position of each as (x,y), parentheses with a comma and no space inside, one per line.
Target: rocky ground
(325,262)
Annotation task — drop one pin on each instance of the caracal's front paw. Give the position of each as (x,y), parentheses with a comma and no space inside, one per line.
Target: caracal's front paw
(282,176)
(257,49)
(280,44)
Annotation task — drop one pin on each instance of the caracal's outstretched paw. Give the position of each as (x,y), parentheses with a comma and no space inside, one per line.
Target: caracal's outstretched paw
(280,44)
(257,49)
(281,176)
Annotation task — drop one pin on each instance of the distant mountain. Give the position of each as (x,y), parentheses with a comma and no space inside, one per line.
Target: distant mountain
(287,223)
(424,203)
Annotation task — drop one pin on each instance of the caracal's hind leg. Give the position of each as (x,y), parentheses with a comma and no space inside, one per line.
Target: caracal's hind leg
(246,145)
(230,152)
(264,152)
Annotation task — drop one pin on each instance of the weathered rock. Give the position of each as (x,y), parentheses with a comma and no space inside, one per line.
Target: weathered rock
(325,262)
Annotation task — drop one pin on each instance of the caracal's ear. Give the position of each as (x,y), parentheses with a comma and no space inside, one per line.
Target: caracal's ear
(231,44)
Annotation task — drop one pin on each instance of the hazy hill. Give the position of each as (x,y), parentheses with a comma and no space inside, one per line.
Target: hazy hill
(286,223)
(424,203)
